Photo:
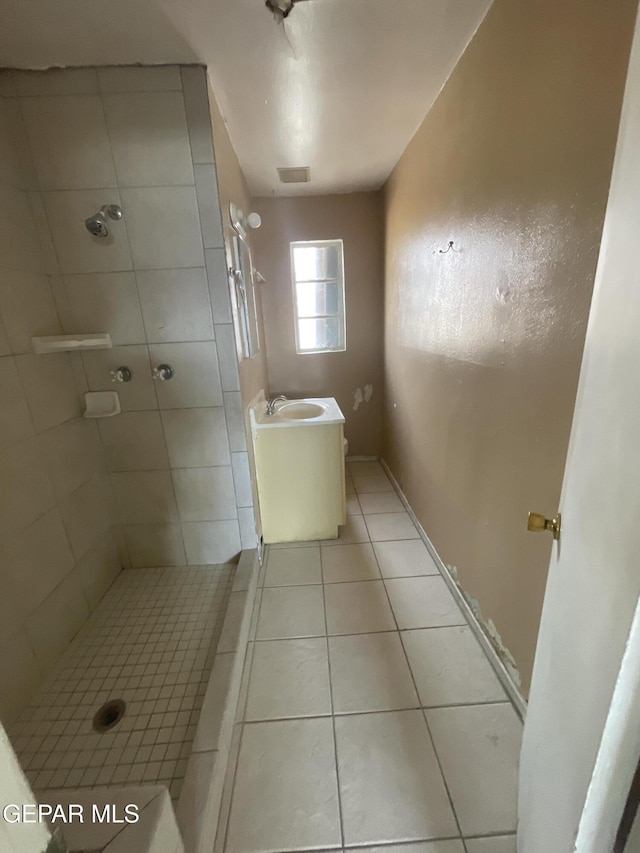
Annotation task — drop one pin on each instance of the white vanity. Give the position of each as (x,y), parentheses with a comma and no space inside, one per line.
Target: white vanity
(300,475)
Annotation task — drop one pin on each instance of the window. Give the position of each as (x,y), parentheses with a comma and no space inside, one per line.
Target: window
(317,270)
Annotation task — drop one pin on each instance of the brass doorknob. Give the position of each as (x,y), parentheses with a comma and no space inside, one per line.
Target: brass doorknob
(538,524)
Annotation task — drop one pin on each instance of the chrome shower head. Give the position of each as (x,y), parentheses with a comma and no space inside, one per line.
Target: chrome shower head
(97,224)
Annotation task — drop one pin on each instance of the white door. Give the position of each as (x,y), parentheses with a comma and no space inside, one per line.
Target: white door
(594,575)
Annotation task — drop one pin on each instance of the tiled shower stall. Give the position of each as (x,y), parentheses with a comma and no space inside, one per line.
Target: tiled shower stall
(165,483)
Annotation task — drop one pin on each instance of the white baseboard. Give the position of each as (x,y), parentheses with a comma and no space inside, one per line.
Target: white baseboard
(513,691)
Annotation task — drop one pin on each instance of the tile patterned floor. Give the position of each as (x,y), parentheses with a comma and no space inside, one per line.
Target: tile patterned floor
(373,720)
(151,641)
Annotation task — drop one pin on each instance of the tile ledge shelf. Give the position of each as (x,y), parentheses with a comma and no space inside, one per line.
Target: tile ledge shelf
(70,343)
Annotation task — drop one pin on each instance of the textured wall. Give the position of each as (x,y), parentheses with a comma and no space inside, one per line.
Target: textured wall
(357,219)
(483,346)
(58,551)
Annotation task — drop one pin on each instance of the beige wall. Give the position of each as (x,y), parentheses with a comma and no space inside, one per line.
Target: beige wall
(483,346)
(232,187)
(357,219)
(58,551)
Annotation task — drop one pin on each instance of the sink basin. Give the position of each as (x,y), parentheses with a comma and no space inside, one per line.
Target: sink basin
(301,410)
(293,414)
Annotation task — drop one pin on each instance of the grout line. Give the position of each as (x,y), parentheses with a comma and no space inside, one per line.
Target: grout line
(513,692)
(370,711)
(333,717)
(417,692)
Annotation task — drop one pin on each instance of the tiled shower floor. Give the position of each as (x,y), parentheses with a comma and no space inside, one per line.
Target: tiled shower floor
(373,720)
(151,642)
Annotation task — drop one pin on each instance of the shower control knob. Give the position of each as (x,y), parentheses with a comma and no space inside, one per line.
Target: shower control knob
(121,374)
(163,372)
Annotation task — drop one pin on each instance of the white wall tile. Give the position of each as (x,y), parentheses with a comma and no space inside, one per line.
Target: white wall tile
(242,479)
(15,418)
(27,307)
(49,388)
(163,227)
(228,358)
(76,249)
(19,244)
(98,569)
(196,437)
(57,81)
(136,395)
(69,142)
(235,420)
(105,302)
(196,382)
(14,162)
(19,674)
(34,561)
(86,515)
(7,85)
(43,232)
(155,545)
(204,494)
(218,276)
(52,626)
(5,349)
(135,78)
(145,497)
(134,441)
(211,541)
(208,206)
(175,305)
(26,490)
(196,101)
(247,522)
(149,139)
(72,454)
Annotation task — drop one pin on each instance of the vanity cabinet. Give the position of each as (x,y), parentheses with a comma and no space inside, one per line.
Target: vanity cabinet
(300,473)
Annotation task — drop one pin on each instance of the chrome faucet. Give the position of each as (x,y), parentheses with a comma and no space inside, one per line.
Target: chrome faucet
(271,404)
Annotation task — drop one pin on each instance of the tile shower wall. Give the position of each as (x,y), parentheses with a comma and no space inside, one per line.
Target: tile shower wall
(141,138)
(58,551)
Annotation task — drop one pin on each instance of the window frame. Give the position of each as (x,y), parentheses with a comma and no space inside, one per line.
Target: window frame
(341,315)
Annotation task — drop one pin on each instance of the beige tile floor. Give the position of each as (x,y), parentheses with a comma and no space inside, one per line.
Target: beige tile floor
(373,720)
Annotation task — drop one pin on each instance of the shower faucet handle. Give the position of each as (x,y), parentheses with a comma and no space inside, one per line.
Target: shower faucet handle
(121,374)
(163,372)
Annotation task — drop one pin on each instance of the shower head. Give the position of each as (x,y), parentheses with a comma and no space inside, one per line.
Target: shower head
(97,224)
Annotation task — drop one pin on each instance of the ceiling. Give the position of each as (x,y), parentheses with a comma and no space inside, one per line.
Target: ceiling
(341,87)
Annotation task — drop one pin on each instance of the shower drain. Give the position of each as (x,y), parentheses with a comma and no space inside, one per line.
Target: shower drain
(109,715)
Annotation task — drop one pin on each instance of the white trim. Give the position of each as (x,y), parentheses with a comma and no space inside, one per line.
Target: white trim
(501,671)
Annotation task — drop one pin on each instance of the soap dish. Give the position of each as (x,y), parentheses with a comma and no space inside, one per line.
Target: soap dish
(101,404)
